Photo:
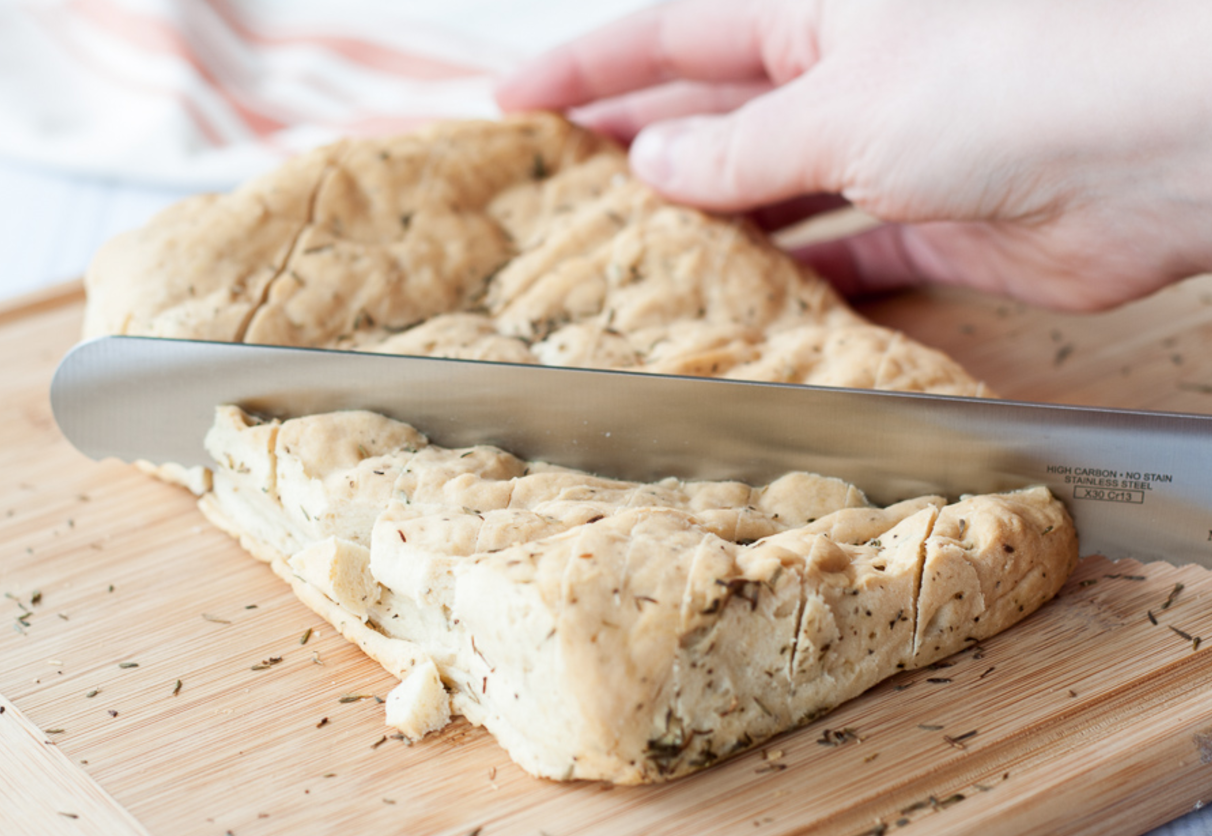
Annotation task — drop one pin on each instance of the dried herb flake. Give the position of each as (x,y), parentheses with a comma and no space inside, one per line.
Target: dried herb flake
(958,741)
(1182,634)
(839,737)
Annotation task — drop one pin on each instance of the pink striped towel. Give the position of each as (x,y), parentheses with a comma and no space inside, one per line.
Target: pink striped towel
(205,93)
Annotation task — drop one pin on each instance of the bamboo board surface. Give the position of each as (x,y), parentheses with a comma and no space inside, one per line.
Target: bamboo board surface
(130,704)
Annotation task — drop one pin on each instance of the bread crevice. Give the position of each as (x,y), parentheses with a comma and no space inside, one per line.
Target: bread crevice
(283,269)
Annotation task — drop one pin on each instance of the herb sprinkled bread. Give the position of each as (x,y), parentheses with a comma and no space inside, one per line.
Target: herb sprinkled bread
(599,629)
(525,240)
(613,630)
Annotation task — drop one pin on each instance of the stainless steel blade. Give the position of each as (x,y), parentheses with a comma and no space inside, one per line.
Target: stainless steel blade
(1139,484)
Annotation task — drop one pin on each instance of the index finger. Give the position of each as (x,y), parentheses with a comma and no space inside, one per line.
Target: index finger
(710,40)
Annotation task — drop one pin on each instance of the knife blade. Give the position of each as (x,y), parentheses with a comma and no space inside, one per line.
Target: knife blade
(1138,483)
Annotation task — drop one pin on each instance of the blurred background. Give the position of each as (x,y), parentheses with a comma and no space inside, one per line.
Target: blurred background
(114,109)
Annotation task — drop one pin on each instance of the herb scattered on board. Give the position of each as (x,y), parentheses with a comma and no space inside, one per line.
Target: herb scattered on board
(1185,636)
(128,664)
(266,664)
(958,740)
(931,803)
(177,688)
(306,637)
(839,737)
(1195,641)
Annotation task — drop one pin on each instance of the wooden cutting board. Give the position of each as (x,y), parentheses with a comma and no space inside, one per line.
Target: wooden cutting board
(139,698)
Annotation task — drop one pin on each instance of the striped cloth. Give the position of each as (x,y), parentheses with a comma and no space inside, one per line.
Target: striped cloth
(205,93)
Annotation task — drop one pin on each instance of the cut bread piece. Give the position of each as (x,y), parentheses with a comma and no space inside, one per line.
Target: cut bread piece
(611,630)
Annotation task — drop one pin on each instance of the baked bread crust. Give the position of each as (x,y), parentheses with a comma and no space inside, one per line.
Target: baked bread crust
(524,240)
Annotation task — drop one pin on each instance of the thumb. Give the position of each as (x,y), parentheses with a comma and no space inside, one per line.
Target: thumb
(762,153)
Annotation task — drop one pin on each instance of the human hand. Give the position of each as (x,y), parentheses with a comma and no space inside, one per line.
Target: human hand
(1059,153)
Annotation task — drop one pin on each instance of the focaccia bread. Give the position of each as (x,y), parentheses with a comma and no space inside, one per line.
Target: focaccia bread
(611,630)
(524,240)
(598,629)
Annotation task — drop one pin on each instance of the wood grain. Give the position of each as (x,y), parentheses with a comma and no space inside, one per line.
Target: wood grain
(1087,717)
(47,793)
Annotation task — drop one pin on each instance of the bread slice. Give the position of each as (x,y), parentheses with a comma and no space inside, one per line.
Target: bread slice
(611,630)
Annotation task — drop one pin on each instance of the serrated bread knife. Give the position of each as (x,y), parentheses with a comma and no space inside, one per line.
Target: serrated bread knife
(1138,484)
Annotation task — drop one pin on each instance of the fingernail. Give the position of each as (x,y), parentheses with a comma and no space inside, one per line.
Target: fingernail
(652,155)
